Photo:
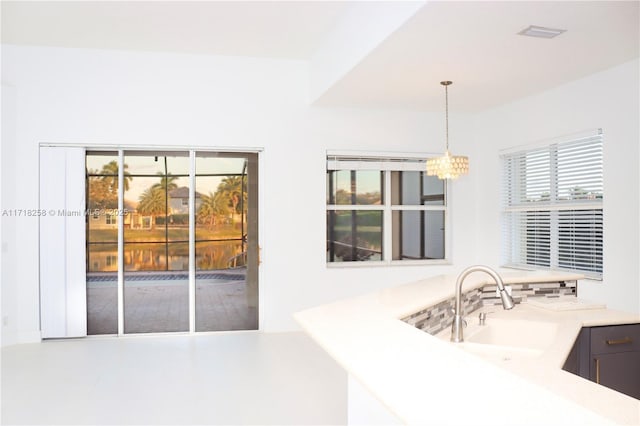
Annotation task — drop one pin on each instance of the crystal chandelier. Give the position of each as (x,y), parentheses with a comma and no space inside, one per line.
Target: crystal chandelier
(447,166)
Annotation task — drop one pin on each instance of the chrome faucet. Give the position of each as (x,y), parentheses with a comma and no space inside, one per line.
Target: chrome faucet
(507,300)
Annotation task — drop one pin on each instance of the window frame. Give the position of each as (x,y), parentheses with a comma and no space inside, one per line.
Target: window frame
(553,206)
(384,163)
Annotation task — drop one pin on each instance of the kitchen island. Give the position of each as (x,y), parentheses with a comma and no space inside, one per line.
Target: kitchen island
(419,378)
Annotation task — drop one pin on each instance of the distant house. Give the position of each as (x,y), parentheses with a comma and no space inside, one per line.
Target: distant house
(179,200)
(134,220)
(178,204)
(108,218)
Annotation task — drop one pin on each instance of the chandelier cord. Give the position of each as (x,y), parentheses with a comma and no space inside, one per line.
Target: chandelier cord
(446,100)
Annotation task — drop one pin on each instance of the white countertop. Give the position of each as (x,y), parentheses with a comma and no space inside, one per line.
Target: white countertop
(424,379)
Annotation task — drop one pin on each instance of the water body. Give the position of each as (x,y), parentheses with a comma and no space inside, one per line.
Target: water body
(211,255)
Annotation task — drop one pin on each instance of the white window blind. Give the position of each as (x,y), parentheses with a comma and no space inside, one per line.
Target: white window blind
(552,206)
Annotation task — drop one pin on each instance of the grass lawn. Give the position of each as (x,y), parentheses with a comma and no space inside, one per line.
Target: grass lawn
(158,234)
(371,234)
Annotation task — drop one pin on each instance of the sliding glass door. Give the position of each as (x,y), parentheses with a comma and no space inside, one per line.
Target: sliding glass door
(188,252)
(101,187)
(225,295)
(156,242)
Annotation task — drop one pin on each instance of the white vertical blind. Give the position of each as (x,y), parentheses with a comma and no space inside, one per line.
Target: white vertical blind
(552,206)
(63,298)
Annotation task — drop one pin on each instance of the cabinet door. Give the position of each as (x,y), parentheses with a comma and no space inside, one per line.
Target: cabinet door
(618,371)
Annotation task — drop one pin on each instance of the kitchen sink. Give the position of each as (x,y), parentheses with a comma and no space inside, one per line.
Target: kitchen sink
(513,333)
(505,339)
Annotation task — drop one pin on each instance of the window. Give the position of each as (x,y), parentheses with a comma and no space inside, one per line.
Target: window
(384,210)
(111,219)
(552,206)
(112,260)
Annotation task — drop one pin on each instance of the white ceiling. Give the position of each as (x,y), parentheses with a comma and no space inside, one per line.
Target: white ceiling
(472,43)
(475,45)
(278,29)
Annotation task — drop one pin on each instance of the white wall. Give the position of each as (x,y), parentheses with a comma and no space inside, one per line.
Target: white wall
(359,31)
(8,170)
(109,97)
(607,100)
(95,97)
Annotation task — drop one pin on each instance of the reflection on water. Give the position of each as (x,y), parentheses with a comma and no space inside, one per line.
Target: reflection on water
(153,257)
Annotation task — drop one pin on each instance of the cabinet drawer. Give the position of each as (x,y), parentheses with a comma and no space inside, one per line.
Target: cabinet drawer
(615,338)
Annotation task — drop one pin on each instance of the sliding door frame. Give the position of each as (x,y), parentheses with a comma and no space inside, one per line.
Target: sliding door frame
(120,149)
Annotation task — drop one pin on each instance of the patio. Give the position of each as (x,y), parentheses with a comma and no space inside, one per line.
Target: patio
(156,302)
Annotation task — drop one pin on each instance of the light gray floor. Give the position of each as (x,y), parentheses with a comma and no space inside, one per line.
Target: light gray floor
(227,378)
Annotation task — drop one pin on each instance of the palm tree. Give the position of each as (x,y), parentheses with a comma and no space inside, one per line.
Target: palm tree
(213,205)
(167,182)
(111,171)
(232,189)
(153,202)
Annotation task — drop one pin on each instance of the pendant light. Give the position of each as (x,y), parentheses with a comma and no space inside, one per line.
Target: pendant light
(447,166)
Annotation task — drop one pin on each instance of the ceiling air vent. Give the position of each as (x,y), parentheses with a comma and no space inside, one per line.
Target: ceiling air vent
(540,32)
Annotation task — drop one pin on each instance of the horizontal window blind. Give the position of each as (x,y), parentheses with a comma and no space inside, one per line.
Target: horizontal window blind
(552,206)
(580,240)
(376,163)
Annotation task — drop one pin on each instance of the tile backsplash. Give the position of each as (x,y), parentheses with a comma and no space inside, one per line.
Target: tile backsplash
(436,318)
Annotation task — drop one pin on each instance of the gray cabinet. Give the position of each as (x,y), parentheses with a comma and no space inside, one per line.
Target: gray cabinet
(609,356)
